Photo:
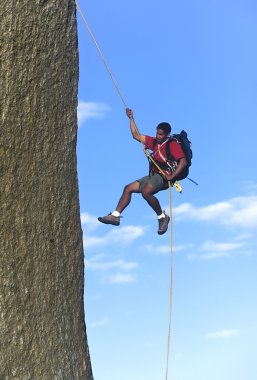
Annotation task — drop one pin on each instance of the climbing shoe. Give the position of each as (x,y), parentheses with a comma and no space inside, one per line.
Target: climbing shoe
(110,219)
(163,224)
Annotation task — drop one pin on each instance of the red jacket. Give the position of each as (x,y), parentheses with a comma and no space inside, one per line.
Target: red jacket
(159,152)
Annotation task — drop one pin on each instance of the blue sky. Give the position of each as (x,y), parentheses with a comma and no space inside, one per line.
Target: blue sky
(192,64)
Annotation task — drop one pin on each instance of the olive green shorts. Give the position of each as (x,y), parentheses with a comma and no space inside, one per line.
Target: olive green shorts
(155,180)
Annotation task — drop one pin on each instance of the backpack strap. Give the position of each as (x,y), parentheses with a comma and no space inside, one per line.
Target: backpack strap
(168,154)
(185,171)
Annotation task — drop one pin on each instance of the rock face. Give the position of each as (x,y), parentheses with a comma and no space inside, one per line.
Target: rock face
(42,329)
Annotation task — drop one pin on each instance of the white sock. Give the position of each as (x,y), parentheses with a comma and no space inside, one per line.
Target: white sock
(116,213)
(161,216)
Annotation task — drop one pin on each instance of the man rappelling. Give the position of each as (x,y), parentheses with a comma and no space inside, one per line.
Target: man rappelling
(168,163)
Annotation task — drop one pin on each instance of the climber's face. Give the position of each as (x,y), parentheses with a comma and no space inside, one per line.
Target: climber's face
(160,136)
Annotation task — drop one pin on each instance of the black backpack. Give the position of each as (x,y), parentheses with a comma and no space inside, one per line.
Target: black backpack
(182,139)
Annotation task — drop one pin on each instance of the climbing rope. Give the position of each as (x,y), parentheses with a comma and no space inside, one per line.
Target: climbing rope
(100,52)
(175,184)
(171,287)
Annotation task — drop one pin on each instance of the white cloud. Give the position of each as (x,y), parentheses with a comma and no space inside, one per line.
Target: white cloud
(244,236)
(91,110)
(122,235)
(159,249)
(236,212)
(165,249)
(89,221)
(209,256)
(182,247)
(226,333)
(126,234)
(221,247)
(121,278)
(215,250)
(189,211)
(124,269)
(92,241)
(98,263)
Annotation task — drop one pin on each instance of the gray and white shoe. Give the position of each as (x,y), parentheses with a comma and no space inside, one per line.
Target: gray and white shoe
(110,219)
(163,224)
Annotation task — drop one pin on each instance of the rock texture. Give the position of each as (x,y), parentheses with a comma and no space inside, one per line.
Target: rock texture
(42,329)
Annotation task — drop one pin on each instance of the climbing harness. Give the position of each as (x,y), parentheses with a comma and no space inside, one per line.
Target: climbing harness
(176,184)
(165,167)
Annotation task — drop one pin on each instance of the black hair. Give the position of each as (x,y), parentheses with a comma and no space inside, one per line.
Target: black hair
(165,127)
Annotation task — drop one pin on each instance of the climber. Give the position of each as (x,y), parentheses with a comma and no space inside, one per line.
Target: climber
(155,181)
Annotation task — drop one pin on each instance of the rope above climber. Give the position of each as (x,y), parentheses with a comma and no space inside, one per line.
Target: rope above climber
(170,164)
